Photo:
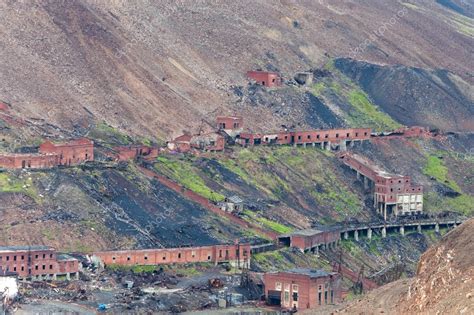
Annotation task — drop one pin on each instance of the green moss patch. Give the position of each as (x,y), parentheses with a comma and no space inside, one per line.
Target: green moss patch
(434,167)
(184,173)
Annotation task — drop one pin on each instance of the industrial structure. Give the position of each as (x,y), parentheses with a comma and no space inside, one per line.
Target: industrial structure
(50,155)
(236,254)
(394,195)
(301,289)
(37,263)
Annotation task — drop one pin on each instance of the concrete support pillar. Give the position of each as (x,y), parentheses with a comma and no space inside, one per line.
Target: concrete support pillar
(351,143)
(418,228)
(356,235)
(304,145)
(385,212)
(402,230)
(369,234)
(455,224)
(343,145)
(322,145)
(316,250)
(358,175)
(366,182)
(295,144)
(346,235)
(437,228)
(314,144)
(55,277)
(384,232)
(68,276)
(328,146)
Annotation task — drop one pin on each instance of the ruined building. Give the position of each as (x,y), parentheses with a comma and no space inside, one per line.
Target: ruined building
(50,155)
(394,195)
(211,142)
(328,139)
(302,289)
(37,262)
(131,152)
(70,153)
(311,239)
(265,78)
(231,125)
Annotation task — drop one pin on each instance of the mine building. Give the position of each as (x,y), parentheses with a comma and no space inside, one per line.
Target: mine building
(236,254)
(311,239)
(131,152)
(233,204)
(50,155)
(231,125)
(37,263)
(394,195)
(326,139)
(28,161)
(301,289)
(74,152)
(265,78)
(209,142)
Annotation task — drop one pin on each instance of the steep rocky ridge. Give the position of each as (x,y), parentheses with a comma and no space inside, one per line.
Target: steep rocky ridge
(444,283)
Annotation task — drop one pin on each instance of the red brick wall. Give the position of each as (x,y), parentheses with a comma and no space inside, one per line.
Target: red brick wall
(265,78)
(215,254)
(71,153)
(18,161)
(312,136)
(230,122)
(43,262)
(307,289)
(306,242)
(125,153)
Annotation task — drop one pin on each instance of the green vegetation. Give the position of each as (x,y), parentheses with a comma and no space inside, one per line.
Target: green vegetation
(184,173)
(269,224)
(462,203)
(318,88)
(10,183)
(367,114)
(107,133)
(435,168)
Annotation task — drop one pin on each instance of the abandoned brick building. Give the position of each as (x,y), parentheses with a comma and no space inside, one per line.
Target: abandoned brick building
(394,195)
(332,138)
(302,289)
(265,78)
(231,125)
(27,160)
(37,262)
(236,255)
(50,155)
(311,239)
(70,153)
(211,142)
(131,152)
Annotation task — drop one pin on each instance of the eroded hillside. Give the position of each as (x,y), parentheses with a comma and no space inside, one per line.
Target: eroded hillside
(153,68)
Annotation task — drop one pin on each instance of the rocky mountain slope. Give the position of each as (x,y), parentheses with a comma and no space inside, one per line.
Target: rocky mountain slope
(444,283)
(153,68)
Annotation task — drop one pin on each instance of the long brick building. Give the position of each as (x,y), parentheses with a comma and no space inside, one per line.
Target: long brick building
(302,289)
(236,254)
(50,155)
(311,239)
(394,195)
(37,262)
(325,138)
